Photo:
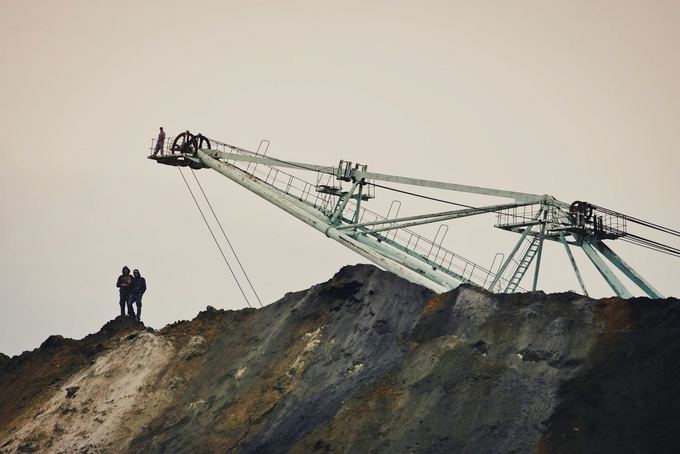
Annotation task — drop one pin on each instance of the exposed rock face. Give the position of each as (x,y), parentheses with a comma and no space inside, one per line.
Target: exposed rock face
(364,362)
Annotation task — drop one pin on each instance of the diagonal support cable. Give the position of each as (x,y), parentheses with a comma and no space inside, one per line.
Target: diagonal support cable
(214,238)
(226,237)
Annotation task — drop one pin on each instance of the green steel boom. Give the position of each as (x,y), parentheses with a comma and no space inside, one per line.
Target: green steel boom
(388,242)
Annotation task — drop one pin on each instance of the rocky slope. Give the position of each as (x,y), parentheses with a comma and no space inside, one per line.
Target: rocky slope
(366,362)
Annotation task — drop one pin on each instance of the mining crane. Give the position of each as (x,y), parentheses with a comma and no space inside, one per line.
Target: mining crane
(335,205)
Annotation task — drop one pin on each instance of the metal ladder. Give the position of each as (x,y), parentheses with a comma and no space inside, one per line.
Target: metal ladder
(523,264)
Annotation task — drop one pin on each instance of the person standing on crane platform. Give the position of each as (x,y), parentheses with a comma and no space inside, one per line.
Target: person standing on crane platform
(124,285)
(137,290)
(160,142)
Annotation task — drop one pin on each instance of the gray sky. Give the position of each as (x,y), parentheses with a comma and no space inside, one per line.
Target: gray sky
(576,99)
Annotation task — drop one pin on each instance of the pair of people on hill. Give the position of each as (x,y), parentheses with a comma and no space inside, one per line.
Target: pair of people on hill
(131,288)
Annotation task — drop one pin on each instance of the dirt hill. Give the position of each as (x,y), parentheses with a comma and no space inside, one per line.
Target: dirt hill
(366,362)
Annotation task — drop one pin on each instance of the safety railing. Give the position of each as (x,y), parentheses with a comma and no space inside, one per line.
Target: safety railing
(424,249)
(403,239)
(602,224)
(289,184)
(513,268)
(524,214)
(165,148)
(608,225)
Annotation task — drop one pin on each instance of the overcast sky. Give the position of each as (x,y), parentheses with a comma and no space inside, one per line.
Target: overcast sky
(576,99)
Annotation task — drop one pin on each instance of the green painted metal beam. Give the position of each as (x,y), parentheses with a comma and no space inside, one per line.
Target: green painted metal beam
(604,270)
(539,253)
(573,264)
(626,269)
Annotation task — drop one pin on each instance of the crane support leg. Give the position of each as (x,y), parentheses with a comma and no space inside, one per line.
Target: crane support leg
(627,270)
(289,205)
(573,264)
(540,251)
(604,270)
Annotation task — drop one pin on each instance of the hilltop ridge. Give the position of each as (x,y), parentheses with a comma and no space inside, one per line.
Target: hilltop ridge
(365,361)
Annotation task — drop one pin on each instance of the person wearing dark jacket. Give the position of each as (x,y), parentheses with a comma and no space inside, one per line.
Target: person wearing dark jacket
(138,289)
(160,142)
(124,285)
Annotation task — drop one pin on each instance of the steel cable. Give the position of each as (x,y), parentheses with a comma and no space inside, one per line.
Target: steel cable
(649,224)
(214,238)
(226,238)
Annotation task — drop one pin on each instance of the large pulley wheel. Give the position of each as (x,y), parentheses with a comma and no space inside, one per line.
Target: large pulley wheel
(584,209)
(188,143)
